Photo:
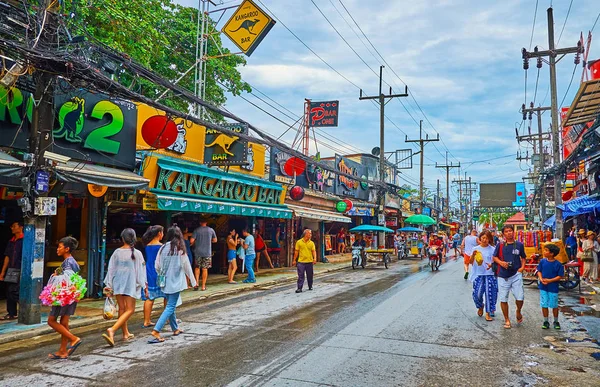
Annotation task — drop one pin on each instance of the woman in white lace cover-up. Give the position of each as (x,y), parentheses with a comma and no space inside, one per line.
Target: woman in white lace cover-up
(590,269)
(172,262)
(125,278)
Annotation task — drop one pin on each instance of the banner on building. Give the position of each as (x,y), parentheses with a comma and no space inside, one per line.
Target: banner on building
(90,127)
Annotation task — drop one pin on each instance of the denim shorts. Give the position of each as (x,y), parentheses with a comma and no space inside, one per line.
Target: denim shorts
(512,285)
(548,299)
(230,255)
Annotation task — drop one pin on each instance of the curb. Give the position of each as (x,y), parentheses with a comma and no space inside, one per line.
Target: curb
(97,322)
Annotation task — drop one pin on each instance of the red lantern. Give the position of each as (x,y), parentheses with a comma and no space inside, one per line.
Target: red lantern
(349,204)
(159,132)
(294,165)
(297,193)
(567,196)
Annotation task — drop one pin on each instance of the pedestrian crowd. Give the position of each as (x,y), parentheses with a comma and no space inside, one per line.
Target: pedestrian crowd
(495,264)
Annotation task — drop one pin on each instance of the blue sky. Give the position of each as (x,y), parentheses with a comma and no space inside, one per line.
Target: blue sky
(461,60)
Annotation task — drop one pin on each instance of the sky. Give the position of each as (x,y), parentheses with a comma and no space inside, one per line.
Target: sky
(461,60)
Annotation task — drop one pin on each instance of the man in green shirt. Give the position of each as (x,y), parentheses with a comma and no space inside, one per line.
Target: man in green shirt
(305,254)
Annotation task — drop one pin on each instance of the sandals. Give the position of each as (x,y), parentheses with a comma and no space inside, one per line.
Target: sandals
(156,340)
(480,312)
(109,341)
(507,325)
(178,332)
(53,356)
(519,319)
(129,337)
(72,348)
(8,317)
(488,317)
(149,325)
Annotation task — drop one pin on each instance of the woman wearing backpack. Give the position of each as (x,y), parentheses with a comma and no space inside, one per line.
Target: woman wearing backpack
(173,266)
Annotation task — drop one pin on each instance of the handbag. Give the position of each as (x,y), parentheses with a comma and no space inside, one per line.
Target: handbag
(12,275)
(587,256)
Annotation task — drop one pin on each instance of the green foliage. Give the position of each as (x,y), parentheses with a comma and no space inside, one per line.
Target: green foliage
(160,35)
(498,217)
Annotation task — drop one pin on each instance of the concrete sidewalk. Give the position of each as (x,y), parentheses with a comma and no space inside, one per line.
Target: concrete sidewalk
(89,311)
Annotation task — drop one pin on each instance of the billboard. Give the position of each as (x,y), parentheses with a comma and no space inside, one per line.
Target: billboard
(502,195)
(324,114)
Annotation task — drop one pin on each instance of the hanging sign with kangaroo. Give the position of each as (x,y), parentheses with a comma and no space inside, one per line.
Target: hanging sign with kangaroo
(248,26)
(223,149)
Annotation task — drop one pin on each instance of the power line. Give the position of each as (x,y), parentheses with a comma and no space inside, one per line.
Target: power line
(565,23)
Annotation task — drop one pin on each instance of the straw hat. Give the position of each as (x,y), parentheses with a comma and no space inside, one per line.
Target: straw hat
(581,231)
(590,233)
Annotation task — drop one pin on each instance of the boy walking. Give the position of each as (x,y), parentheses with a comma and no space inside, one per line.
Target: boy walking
(550,273)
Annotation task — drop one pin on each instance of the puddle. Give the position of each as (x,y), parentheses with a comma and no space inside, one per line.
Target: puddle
(579,310)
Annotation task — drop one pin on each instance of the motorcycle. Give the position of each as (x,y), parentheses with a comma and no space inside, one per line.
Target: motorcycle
(358,258)
(435,259)
(402,250)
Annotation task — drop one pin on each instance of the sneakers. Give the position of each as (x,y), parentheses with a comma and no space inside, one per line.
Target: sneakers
(466,275)
(556,325)
(298,290)
(546,325)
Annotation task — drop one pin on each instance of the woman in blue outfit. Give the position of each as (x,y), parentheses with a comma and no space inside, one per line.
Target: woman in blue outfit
(152,240)
(232,241)
(485,284)
(173,264)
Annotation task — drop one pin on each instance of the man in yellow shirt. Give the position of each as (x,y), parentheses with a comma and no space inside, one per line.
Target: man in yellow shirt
(305,254)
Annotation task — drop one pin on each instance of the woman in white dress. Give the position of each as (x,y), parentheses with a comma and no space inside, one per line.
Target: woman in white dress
(485,284)
(590,246)
(125,279)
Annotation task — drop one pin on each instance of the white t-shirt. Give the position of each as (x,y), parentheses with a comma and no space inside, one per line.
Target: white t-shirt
(488,258)
(470,244)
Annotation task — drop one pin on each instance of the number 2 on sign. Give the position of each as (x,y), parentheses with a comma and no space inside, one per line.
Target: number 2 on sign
(98,139)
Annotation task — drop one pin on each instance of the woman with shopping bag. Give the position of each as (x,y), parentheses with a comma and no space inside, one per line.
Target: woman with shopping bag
(172,266)
(126,277)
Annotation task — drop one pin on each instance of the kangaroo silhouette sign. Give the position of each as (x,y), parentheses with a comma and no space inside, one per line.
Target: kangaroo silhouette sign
(248,26)
(222,149)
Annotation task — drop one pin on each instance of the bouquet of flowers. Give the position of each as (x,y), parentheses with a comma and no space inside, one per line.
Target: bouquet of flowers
(63,289)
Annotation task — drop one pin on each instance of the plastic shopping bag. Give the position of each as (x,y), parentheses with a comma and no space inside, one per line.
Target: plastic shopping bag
(110,309)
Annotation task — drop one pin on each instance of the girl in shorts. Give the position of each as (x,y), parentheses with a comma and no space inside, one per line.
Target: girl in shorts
(232,242)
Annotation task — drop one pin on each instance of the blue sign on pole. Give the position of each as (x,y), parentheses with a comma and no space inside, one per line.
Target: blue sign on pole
(42,181)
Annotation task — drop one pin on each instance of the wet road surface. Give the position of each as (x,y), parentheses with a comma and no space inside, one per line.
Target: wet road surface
(372,327)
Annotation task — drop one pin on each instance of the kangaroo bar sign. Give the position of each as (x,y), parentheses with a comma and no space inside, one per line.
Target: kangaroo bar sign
(221,149)
(248,26)
(324,113)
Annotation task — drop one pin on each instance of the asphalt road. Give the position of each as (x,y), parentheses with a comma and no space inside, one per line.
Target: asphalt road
(375,327)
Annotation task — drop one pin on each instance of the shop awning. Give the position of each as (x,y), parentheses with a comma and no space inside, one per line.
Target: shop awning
(194,169)
(550,222)
(578,206)
(76,172)
(585,106)
(311,213)
(10,166)
(175,203)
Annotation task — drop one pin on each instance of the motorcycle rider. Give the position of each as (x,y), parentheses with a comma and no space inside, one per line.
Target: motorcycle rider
(360,242)
(438,244)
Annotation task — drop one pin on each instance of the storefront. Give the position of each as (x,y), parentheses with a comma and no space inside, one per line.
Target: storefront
(186,191)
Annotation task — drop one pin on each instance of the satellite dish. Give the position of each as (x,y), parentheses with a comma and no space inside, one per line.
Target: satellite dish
(376,151)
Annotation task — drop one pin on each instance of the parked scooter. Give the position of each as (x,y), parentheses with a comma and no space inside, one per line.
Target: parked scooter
(358,257)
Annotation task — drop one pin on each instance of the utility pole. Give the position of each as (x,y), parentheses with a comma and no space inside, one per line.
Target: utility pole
(40,139)
(448,167)
(422,141)
(382,102)
(541,137)
(436,204)
(552,53)
(463,214)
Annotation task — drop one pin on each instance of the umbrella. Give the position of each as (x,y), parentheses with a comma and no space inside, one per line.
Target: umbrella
(410,229)
(420,219)
(368,227)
